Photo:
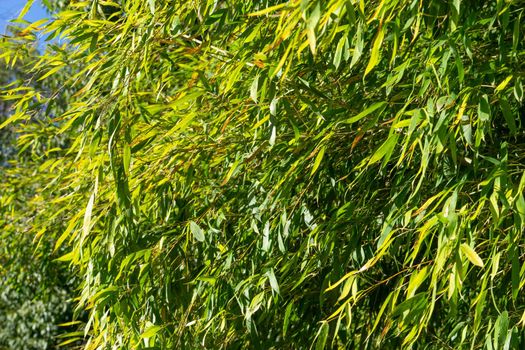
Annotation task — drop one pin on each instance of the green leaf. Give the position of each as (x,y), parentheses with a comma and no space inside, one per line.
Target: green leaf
(460,68)
(126,158)
(310,28)
(376,106)
(67,231)
(339,51)
(66,257)
(13,118)
(455,11)
(466,128)
(518,90)
(69,341)
(484,109)
(416,280)
(495,265)
(507,114)
(150,331)
(273,281)
(386,148)
(287,316)
(322,336)
(197,232)
(230,172)
(410,304)
(359,45)
(500,329)
(516,32)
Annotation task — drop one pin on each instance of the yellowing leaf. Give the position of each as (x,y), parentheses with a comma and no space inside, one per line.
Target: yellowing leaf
(66,257)
(151,331)
(268,10)
(51,72)
(230,172)
(67,324)
(503,84)
(26,8)
(12,119)
(374,56)
(87,215)
(318,160)
(344,278)
(415,281)
(471,255)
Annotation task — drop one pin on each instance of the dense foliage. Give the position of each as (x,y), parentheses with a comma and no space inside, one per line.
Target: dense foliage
(268,174)
(35,291)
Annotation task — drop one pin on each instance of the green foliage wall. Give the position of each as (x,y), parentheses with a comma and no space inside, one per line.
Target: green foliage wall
(267,174)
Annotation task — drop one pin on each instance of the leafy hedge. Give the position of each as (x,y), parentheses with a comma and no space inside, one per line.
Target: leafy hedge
(268,174)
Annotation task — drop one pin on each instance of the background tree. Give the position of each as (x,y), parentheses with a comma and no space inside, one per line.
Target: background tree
(272,174)
(35,290)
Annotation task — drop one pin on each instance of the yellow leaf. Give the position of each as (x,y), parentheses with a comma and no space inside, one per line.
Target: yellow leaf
(51,72)
(471,255)
(344,278)
(67,324)
(268,10)
(25,9)
(522,320)
(415,281)
(503,84)
(65,234)
(346,288)
(461,109)
(230,172)
(318,160)
(150,332)
(87,216)
(374,56)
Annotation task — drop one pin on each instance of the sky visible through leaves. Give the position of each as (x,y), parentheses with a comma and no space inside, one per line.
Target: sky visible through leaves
(9,9)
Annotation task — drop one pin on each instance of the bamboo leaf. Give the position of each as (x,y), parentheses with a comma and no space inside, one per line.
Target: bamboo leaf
(318,160)
(471,255)
(197,232)
(386,148)
(25,9)
(376,106)
(150,331)
(86,226)
(273,281)
(253,89)
(375,53)
(268,10)
(339,52)
(484,109)
(503,84)
(322,336)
